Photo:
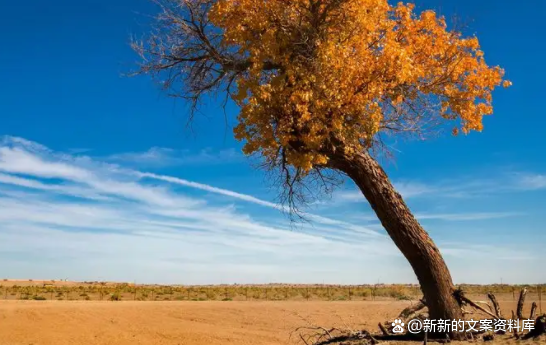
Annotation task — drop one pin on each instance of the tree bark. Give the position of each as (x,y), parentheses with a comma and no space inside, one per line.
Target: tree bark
(521,302)
(412,309)
(406,232)
(495,304)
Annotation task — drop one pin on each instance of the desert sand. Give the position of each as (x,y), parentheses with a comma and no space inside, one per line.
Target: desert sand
(185,323)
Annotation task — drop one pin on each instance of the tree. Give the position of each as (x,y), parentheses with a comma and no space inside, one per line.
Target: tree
(320,84)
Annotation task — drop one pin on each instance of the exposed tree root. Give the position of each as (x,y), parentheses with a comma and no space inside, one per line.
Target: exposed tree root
(409,311)
(533,310)
(383,329)
(540,328)
(316,335)
(405,315)
(364,337)
(493,300)
(463,300)
(322,337)
(521,301)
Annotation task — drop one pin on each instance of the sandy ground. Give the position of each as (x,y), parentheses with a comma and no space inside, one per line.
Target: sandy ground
(183,323)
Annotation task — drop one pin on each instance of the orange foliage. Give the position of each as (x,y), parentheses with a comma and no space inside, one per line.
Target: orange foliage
(347,70)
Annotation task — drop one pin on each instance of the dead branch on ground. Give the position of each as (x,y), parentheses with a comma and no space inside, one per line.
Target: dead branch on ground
(521,301)
(316,335)
(493,300)
(459,295)
(532,315)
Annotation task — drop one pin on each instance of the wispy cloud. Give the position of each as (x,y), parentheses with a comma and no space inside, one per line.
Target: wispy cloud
(257,201)
(77,216)
(466,216)
(207,188)
(414,189)
(452,217)
(485,251)
(405,188)
(529,181)
(47,195)
(157,157)
(463,188)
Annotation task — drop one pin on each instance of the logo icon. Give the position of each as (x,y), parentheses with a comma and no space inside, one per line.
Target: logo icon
(398,326)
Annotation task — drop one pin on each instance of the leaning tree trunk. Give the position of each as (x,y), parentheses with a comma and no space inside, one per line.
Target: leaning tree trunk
(406,232)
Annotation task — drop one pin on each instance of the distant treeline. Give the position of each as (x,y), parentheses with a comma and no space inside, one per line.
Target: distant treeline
(271,292)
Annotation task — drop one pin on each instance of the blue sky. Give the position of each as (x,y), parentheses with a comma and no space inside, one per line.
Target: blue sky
(99,179)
